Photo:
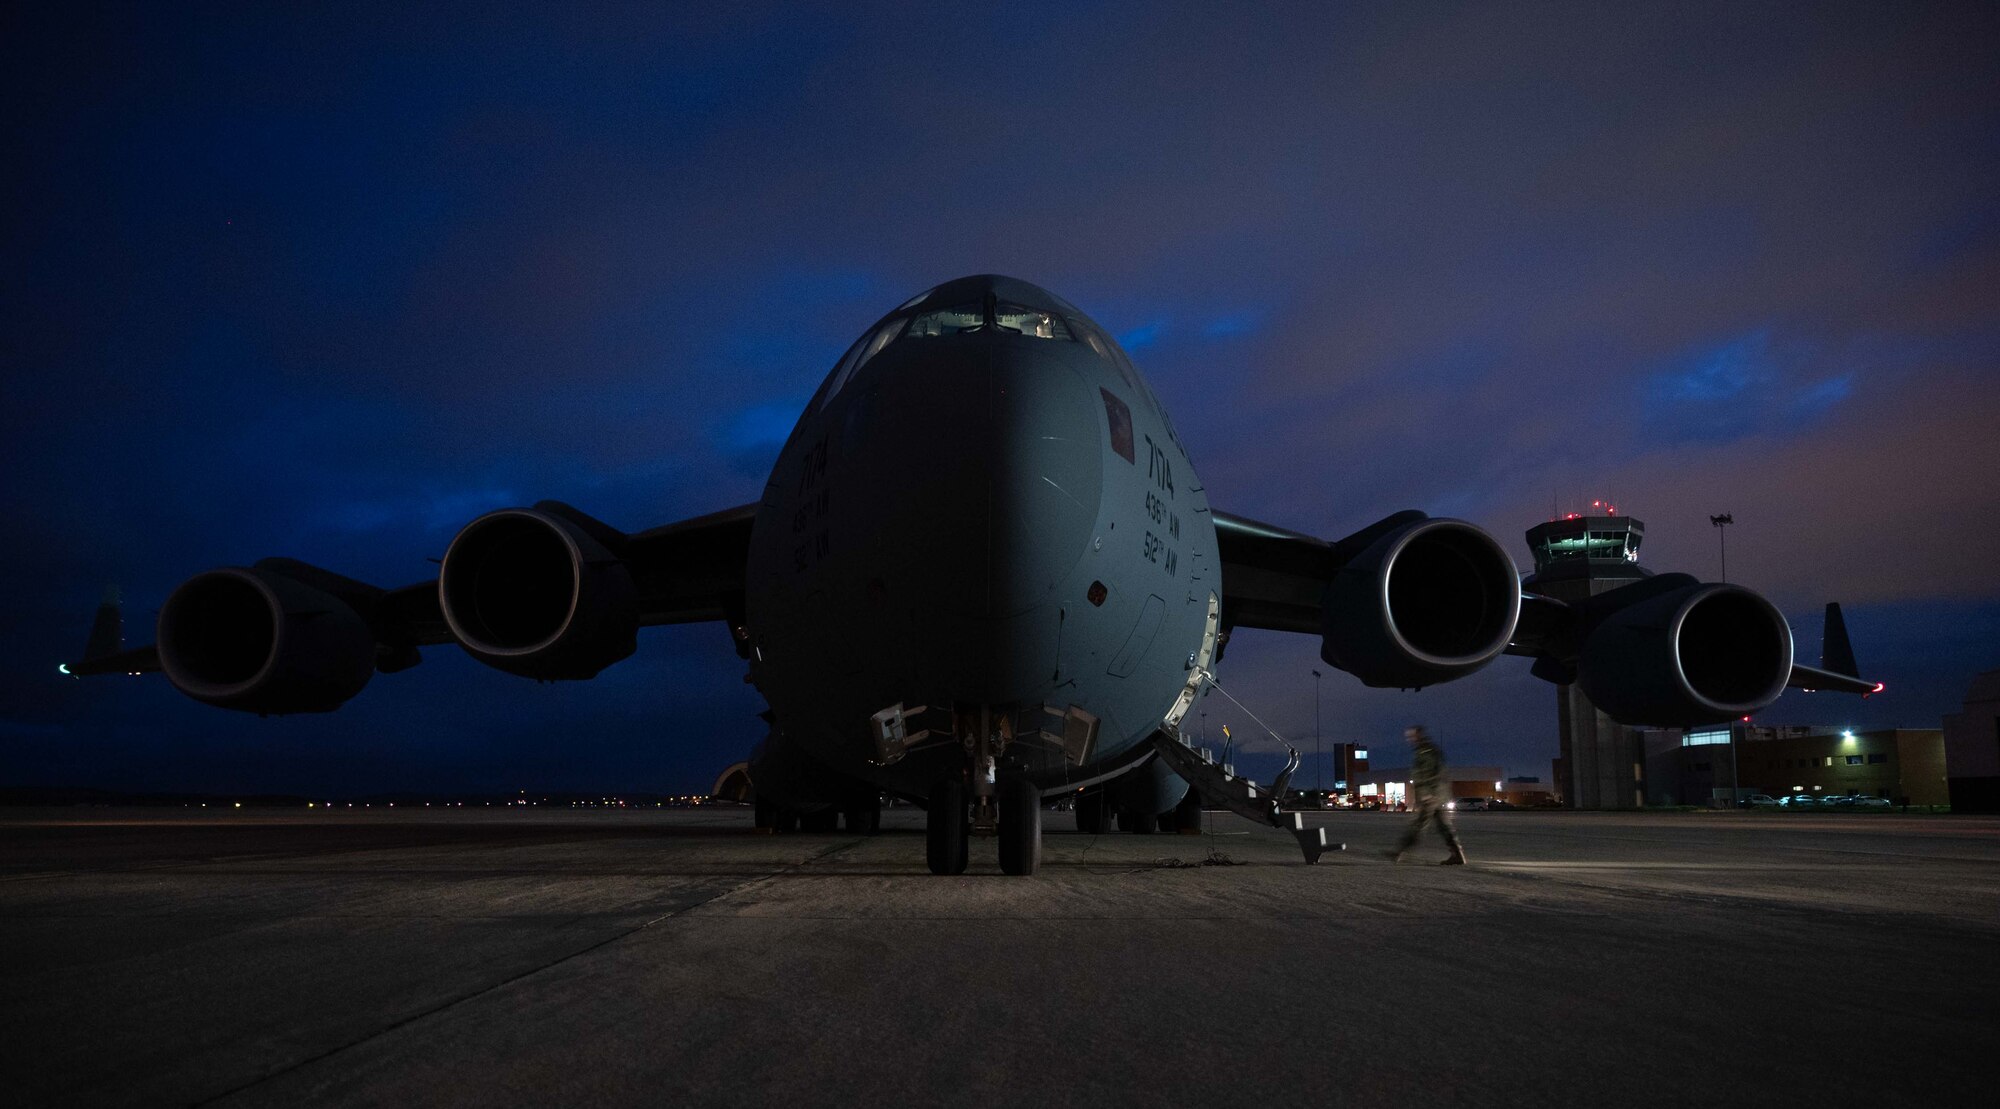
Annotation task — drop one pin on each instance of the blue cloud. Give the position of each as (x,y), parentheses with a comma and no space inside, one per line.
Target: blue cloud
(1742,385)
(432,509)
(761,426)
(1233,324)
(1821,396)
(1143,336)
(1718,373)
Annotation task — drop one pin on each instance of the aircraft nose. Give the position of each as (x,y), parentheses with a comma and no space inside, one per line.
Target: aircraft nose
(1046,478)
(984,470)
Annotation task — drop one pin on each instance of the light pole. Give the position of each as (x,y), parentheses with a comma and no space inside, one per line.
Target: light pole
(1735,783)
(1319,775)
(1721,541)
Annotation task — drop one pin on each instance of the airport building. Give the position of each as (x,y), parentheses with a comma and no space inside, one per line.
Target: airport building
(1715,766)
(1350,762)
(1391,787)
(1603,764)
(1972,747)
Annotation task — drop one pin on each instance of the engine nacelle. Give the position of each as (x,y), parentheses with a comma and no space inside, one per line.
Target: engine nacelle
(1428,602)
(536,593)
(1700,654)
(260,642)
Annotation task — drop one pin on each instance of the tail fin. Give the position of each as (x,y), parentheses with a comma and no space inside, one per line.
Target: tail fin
(107,632)
(1836,653)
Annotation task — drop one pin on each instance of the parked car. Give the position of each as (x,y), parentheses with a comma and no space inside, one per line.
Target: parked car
(1799,801)
(1759,801)
(1469,804)
(1862,801)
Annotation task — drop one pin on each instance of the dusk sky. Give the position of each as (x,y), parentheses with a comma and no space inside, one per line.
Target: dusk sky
(327,281)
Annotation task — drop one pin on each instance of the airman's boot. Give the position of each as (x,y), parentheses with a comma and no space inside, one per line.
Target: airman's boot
(1457,856)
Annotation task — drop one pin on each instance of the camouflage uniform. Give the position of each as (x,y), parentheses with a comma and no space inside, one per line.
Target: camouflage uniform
(1428,798)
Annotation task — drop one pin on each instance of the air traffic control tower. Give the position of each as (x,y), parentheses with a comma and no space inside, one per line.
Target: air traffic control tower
(1577,555)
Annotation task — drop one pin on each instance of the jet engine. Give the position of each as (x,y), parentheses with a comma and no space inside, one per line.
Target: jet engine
(258,641)
(539,593)
(1425,602)
(1697,654)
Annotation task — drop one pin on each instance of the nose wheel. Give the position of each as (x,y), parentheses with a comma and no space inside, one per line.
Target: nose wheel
(948,829)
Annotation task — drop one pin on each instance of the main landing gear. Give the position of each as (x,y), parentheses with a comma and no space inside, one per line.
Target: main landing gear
(1016,804)
(860,812)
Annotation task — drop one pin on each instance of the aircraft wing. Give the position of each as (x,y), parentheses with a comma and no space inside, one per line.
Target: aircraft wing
(1412,601)
(1276,578)
(320,635)
(138,660)
(1814,678)
(692,571)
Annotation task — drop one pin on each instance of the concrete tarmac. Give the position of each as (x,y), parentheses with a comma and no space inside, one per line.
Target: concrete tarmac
(531,957)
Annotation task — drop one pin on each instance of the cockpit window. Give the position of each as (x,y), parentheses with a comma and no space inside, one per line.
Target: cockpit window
(862,352)
(1036,323)
(960,319)
(1032,322)
(864,348)
(1109,351)
(957,319)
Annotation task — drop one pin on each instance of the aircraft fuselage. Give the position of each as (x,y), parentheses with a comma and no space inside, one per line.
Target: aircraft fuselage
(995,523)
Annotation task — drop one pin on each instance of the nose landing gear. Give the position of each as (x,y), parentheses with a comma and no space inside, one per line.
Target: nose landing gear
(948,827)
(982,801)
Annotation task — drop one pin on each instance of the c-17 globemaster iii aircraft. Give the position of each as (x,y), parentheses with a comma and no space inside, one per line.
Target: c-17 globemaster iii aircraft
(983,572)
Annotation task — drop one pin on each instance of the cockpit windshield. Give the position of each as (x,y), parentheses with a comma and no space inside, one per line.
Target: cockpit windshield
(957,319)
(1036,323)
(1032,322)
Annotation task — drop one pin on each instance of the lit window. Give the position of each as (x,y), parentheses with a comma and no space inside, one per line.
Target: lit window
(956,320)
(1854,760)
(1032,322)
